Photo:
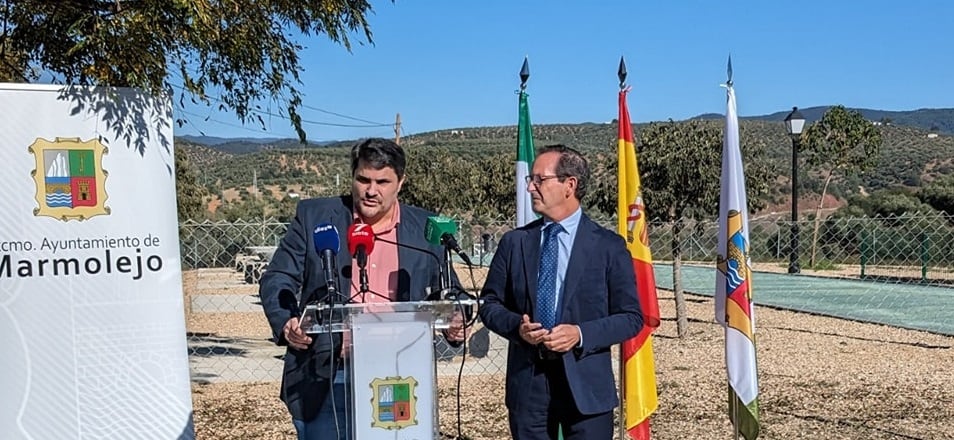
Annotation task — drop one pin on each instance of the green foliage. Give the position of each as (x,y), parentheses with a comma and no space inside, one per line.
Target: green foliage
(603,188)
(242,49)
(12,63)
(190,196)
(281,210)
(939,194)
(680,168)
(449,182)
(681,165)
(481,160)
(890,240)
(891,203)
(842,142)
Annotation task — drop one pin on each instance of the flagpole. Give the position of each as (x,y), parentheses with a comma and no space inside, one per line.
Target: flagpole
(621,74)
(731,400)
(524,74)
(525,153)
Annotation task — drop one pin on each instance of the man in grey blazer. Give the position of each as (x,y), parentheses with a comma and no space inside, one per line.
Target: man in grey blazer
(294,278)
(562,290)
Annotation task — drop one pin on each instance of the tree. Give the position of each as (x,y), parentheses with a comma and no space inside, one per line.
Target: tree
(190,196)
(12,63)
(429,173)
(940,194)
(453,184)
(244,50)
(842,143)
(893,203)
(680,166)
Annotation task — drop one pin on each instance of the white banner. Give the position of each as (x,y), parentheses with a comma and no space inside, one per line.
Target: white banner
(394,378)
(92,329)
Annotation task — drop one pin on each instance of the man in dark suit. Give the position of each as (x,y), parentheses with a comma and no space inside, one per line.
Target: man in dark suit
(562,290)
(294,278)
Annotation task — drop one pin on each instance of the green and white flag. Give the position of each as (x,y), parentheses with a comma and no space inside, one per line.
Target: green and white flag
(525,154)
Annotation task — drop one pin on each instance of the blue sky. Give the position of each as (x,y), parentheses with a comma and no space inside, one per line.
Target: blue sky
(452,64)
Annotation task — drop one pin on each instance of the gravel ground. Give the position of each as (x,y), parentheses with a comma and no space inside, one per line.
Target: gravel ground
(820,377)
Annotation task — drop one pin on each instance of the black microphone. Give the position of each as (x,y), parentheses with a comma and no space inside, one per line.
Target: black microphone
(327,243)
(449,241)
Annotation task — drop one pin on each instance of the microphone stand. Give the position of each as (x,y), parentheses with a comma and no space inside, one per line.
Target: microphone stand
(331,276)
(363,280)
(444,269)
(445,284)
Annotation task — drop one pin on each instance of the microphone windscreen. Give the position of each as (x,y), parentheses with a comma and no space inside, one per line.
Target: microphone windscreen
(360,234)
(326,237)
(437,226)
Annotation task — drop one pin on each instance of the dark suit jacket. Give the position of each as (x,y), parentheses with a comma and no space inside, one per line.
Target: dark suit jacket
(599,295)
(294,278)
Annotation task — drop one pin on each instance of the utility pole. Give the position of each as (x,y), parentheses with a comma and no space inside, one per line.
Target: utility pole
(397,129)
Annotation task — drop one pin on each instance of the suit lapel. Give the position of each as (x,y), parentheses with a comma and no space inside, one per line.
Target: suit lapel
(531,263)
(406,256)
(342,218)
(583,249)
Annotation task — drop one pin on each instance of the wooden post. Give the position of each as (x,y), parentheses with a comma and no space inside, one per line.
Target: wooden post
(397,129)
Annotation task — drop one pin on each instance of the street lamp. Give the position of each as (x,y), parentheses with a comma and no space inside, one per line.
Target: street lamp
(794,123)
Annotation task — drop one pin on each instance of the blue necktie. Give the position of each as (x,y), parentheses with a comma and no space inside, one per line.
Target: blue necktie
(546,277)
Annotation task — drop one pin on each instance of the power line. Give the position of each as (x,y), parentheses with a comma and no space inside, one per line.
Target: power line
(206,118)
(341,115)
(370,124)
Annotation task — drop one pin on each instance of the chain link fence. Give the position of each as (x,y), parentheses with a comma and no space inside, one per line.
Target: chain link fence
(910,248)
(229,339)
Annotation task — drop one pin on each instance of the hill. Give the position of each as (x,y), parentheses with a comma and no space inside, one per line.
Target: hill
(939,120)
(213,141)
(248,145)
(274,171)
(909,158)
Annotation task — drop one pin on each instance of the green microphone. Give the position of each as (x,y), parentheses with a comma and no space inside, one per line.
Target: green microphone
(436,227)
(440,230)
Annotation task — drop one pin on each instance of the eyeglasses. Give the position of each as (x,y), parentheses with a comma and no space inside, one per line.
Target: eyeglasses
(538,180)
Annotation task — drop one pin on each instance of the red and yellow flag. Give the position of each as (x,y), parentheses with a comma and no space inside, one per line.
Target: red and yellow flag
(639,372)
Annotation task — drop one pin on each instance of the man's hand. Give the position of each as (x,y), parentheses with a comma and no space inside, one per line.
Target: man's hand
(456,332)
(563,338)
(532,332)
(296,338)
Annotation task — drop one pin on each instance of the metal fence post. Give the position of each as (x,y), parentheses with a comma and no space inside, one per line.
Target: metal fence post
(864,251)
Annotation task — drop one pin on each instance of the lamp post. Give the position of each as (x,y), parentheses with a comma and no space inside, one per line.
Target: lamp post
(794,123)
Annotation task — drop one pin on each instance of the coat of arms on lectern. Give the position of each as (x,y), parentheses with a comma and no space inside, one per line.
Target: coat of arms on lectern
(393,404)
(70,179)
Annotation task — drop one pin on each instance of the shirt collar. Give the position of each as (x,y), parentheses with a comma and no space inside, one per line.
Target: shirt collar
(570,223)
(395,220)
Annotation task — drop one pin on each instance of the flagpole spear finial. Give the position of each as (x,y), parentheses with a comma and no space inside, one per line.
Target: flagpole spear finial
(524,73)
(728,71)
(621,73)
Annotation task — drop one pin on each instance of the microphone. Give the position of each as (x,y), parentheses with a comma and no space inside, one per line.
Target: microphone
(444,280)
(360,245)
(440,230)
(327,243)
(447,291)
